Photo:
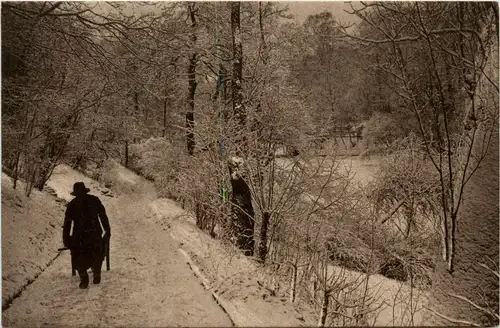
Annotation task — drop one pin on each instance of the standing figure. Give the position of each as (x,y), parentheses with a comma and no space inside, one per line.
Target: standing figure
(86,242)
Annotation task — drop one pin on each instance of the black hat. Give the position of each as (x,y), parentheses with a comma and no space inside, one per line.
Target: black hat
(79,188)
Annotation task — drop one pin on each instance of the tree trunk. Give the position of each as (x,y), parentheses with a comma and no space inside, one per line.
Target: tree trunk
(324,309)
(238,108)
(477,240)
(77,162)
(191,84)
(136,103)
(262,250)
(30,179)
(293,283)
(126,153)
(15,176)
(262,39)
(190,112)
(165,104)
(200,213)
(242,210)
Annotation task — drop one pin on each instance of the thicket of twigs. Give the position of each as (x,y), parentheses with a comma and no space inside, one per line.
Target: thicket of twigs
(322,236)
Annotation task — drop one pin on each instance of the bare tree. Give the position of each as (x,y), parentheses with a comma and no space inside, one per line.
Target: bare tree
(438,66)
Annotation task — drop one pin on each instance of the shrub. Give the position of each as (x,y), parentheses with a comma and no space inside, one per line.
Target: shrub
(156,160)
(382,129)
(349,251)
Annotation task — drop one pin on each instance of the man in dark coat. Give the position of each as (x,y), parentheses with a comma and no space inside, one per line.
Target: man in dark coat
(86,242)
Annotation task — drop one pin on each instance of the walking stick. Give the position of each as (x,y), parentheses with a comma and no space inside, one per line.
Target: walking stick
(106,252)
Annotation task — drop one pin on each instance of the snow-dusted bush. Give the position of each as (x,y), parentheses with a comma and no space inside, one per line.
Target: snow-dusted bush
(382,129)
(157,160)
(406,193)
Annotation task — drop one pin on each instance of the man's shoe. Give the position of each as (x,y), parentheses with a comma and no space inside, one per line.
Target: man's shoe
(84,282)
(97,279)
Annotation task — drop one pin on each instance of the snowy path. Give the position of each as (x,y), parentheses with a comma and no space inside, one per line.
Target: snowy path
(149,284)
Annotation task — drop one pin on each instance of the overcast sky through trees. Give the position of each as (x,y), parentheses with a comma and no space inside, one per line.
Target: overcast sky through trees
(302,9)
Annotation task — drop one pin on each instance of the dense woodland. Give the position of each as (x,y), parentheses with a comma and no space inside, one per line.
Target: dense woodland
(200,97)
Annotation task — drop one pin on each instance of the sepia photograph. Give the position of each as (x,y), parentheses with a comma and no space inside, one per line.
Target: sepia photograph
(250,163)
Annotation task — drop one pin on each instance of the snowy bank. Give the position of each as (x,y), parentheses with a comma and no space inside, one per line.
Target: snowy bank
(31,235)
(236,281)
(239,283)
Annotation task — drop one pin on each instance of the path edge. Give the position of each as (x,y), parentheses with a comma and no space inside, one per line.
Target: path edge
(237,318)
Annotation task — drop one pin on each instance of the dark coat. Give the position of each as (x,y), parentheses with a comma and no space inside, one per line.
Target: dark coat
(84,212)
(86,243)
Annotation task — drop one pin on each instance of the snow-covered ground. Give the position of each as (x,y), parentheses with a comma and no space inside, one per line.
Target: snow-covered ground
(31,234)
(240,280)
(149,284)
(236,279)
